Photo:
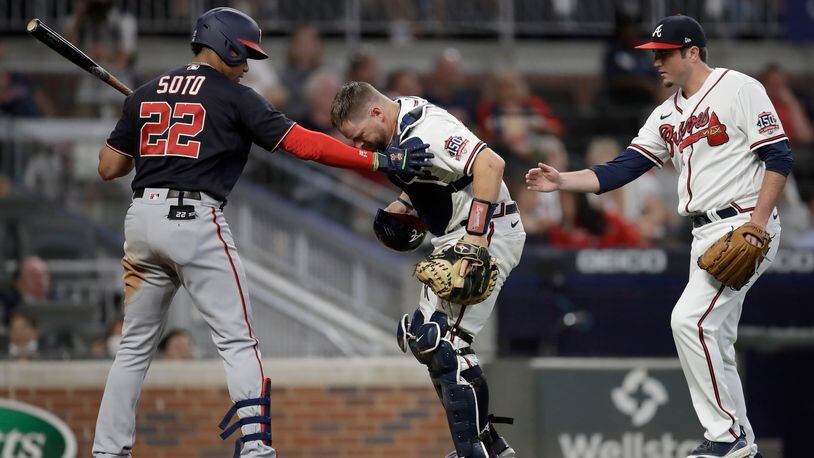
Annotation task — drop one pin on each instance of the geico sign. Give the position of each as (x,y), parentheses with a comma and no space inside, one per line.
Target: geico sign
(791,262)
(621,261)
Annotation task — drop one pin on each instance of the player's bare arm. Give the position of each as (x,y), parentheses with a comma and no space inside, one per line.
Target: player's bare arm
(487,174)
(770,191)
(545,178)
(113,164)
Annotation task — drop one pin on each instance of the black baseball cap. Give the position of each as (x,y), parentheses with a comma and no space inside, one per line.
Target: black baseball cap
(674,32)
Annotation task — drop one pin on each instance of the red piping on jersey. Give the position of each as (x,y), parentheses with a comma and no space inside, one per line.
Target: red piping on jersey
(242,298)
(491,233)
(475,152)
(709,360)
(740,209)
(648,153)
(675,102)
(118,150)
(689,158)
(766,140)
(457,322)
(315,146)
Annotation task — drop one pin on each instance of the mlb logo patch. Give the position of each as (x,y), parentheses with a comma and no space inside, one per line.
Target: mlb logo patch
(767,123)
(455,146)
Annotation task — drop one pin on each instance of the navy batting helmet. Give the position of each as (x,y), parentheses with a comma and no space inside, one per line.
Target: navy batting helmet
(227,29)
(399,231)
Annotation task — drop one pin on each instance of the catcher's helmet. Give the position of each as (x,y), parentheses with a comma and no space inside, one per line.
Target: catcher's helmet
(224,29)
(399,231)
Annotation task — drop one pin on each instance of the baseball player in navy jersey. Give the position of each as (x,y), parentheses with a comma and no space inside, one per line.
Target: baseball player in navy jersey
(188,134)
(465,176)
(724,138)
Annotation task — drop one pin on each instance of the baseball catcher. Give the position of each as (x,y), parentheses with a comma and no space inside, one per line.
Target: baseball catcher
(461,199)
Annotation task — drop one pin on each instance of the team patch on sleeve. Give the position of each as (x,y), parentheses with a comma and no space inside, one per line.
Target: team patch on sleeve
(455,146)
(767,123)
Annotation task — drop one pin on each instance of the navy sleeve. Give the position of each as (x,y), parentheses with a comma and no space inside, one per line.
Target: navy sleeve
(124,137)
(777,157)
(266,124)
(623,169)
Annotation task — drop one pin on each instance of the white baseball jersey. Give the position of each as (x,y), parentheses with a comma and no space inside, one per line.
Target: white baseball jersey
(455,148)
(442,197)
(711,138)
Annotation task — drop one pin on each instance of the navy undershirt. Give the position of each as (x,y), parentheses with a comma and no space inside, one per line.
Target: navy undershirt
(631,164)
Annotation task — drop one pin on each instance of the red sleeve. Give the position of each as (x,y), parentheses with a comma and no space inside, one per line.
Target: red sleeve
(309,145)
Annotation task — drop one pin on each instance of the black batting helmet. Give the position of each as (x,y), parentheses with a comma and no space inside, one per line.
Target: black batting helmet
(227,29)
(399,231)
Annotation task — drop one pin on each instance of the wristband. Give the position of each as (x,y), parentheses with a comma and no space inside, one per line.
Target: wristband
(405,203)
(480,215)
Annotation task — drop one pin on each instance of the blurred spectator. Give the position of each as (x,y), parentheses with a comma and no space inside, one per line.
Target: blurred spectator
(448,89)
(364,66)
(510,114)
(631,80)
(320,90)
(31,284)
(23,337)
(176,345)
(789,109)
(587,226)
(18,98)
(303,57)
(540,211)
(108,35)
(404,82)
(264,80)
(638,202)
(401,14)
(109,345)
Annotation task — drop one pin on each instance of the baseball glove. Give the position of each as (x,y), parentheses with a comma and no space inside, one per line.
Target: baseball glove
(732,260)
(441,272)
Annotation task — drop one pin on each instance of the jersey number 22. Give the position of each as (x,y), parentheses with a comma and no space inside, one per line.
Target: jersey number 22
(178,141)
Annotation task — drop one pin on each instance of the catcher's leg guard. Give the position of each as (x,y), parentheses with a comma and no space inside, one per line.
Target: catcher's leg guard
(462,415)
(495,443)
(264,419)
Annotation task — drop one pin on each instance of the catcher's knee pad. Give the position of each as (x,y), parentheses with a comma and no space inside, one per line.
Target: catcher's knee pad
(264,419)
(423,339)
(462,416)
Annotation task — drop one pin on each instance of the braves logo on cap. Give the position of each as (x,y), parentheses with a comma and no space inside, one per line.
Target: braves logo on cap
(657,32)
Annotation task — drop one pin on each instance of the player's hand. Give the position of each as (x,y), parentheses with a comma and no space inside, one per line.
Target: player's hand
(397,207)
(479,240)
(543,178)
(410,160)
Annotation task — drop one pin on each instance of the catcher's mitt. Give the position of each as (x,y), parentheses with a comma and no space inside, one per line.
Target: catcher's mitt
(732,260)
(441,272)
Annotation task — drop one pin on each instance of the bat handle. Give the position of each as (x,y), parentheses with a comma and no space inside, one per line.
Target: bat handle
(105,76)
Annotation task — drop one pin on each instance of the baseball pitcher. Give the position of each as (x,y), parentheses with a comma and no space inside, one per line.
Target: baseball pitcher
(724,138)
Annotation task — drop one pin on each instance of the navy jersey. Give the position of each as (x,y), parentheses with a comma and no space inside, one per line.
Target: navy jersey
(192,128)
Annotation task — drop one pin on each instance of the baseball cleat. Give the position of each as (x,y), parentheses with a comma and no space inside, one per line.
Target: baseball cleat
(502,449)
(737,449)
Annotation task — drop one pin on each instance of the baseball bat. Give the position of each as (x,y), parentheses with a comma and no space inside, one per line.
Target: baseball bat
(65,48)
